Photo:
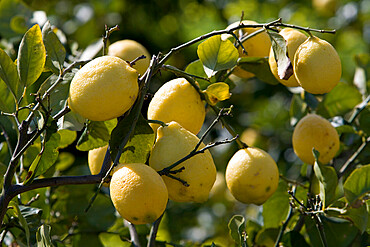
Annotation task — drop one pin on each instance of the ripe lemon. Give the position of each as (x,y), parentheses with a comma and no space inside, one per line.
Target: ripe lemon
(325,7)
(314,131)
(257,46)
(138,193)
(294,39)
(177,100)
(317,66)
(95,160)
(172,144)
(252,176)
(103,89)
(129,50)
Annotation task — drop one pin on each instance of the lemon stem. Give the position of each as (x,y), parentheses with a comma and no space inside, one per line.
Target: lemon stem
(163,124)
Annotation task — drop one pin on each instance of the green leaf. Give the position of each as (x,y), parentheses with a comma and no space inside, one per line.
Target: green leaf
(342,99)
(328,180)
(252,230)
(112,240)
(260,67)
(9,74)
(298,109)
(55,51)
(359,216)
(266,237)
(95,135)
(236,229)
(284,65)
(43,236)
(31,56)
(7,102)
(294,239)
(67,137)
(21,219)
(196,68)
(357,184)
(276,208)
(8,10)
(139,146)
(19,24)
(217,54)
(216,92)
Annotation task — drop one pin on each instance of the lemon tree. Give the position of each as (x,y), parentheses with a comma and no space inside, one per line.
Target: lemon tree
(103,89)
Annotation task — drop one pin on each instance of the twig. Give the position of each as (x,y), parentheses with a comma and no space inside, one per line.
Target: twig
(359,109)
(108,32)
(293,181)
(133,233)
(180,72)
(153,232)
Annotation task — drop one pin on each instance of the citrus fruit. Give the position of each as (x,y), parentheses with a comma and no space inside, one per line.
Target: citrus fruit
(325,7)
(314,131)
(129,50)
(252,176)
(177,100)
(95,160)
(172,144)
(317,66)
(138,193)
(294,39)
(103,89)
(256,46)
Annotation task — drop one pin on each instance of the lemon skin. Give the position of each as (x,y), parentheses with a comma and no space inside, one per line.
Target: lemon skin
(172,144)
(252,176)
(294,39)
(129,50)
(138,193)
(103,89)
(314,131)
(177,100)
(317,66)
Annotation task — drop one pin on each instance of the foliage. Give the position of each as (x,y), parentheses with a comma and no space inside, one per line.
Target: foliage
(43,144)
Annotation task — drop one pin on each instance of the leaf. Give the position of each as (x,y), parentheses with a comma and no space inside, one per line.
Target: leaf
(67,137)
(7,102)
(294,239)
(236,229)
(216,92)
(357,184)
(55,51)
(139,146)
(359,216)
(43,236)
(284,65)
(252,230)
(21,219)
(298,109)
(95,135)
(196,68)
(260,67)
(112,240)
(31,56)
(328,180)
(9,74)
(217,54)
(266,237)
(276,208)
(19,24)
(342,99)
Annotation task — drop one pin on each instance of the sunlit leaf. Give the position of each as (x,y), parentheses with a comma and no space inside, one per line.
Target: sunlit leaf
(216,92)
(236,228)
(95,135)
(357,184)
(112,240)
(67,137)
(21,219)
(284,65)
(9,74)
(252,229)
(43,236)
(196,68)
(7,101)
(217,54)
(55,51)
(260,67)
(31,56)
(342,99)
(276,208)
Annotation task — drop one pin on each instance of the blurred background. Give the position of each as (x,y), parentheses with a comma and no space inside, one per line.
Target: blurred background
(261,111)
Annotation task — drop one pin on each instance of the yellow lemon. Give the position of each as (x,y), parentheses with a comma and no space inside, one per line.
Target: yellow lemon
(317,66)
(252,176)
(172,144)
(314,131)
(257,46)
(294,39)
(325,7)
(103,89)
(95,160)
(138,193)
(177,100)
(129,50)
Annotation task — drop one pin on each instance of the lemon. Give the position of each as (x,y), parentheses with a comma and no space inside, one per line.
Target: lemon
(129,50)
(325,7)
(172,144)
(252,176)
(103,89)
(294,39)
(317,66)
(138,193)
(177,100)
(95,160)
(257,46)
(314,131)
